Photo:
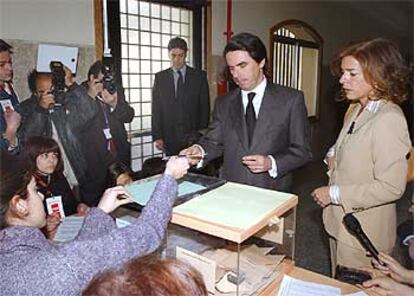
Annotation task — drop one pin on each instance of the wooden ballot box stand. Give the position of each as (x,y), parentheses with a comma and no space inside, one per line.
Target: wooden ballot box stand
(225,234)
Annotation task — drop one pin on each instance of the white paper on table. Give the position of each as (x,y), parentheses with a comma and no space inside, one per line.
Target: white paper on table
(47,53)
(68,229)
(294,287)
(359,293)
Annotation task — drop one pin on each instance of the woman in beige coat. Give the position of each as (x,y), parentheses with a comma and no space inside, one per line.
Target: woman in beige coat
(367,164)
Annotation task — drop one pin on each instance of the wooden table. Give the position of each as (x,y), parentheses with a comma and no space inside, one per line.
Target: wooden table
(310,276)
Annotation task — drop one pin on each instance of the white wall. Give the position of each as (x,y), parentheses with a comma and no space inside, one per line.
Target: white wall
(57,21)
(26,23)
(337,21)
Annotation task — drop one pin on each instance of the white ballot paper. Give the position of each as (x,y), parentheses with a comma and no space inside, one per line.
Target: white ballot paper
(294,287)
(68,229)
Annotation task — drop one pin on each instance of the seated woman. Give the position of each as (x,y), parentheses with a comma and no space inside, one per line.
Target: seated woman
(118,174)
(43,158)
(32,265)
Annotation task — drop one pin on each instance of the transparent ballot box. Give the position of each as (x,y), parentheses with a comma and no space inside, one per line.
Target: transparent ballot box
(235,235)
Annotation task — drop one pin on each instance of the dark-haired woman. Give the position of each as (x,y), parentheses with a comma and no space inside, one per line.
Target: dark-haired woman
(43,158)
(368,165)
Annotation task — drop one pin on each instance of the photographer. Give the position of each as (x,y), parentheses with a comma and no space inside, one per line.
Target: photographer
(60,115)
(104,140)
(9,103)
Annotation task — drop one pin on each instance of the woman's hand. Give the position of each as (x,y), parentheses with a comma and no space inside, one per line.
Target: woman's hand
(177,167)
(113,198)
(394,269)
(330,162)
(321,196)
(52,224)
(386,286)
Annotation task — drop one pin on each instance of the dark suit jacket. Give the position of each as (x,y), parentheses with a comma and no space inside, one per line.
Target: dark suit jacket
(177,122)
(281,130)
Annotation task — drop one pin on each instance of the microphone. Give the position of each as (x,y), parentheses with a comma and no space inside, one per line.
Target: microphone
(351,128)
(354,227)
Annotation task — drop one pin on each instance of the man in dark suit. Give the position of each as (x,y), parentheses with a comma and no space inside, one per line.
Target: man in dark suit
(180,102)
(260,129)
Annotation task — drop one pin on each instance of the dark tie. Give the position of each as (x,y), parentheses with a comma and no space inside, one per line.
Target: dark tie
(250,116)
(180,85)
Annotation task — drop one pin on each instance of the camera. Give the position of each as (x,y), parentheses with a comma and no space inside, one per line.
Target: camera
(58,77)
(108,80)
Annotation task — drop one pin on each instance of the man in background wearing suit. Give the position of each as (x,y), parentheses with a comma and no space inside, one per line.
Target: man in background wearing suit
(260,129)
(180,102)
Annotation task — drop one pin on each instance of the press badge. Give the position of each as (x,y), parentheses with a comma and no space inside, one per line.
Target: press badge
(54,205)
(6,105)
(107,133)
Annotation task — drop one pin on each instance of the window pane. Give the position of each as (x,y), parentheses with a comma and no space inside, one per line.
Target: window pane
(146,108)
(136,151)
(133,37)
(145,67)
(146,124)
(136,123)
(184,30)
(146,80)
(136,165)
(134,81)
(184,16)
(124,66)
(145,38)
(133,51)
(165,28)
(175,28)
(134,66)
(126,92)
(125,80)
(156,67)
(137,108)
(165,12)
(133,22)
(145,52)
(155,25)
(165,56)
(156,53)
(145,23)
(146,94)
(155,39)
(123,21)
(165,40)
(147,149)
(122,6)
(124,50)
(124,37)
(135,96)
(132,6)
(175,14)
(155,10)
(144,8)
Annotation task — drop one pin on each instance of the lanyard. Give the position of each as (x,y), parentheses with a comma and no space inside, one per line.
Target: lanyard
(43,184)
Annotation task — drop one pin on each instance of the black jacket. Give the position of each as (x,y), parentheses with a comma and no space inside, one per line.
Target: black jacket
(178,121)
(77,110)
(95,146)
(58,186)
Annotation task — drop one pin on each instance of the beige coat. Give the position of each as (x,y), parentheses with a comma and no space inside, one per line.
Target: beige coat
(370,171)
